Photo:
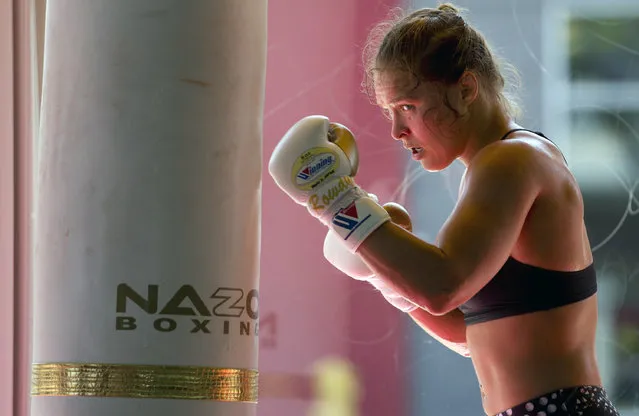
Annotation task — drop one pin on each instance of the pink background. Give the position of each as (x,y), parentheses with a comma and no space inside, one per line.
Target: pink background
(16,132)
(314,67)
(6,209)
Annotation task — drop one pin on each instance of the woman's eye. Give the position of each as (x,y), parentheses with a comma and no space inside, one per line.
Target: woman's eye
(407,107)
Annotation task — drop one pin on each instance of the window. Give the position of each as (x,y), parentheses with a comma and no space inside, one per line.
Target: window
(601,85)
(604,49)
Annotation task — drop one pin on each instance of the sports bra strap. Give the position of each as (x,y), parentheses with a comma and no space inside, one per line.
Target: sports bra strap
(538,133)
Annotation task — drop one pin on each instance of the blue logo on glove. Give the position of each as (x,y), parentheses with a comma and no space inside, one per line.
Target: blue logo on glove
(348,219)
(311,170)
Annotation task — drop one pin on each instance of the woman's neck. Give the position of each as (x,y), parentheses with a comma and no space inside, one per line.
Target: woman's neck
(487,125)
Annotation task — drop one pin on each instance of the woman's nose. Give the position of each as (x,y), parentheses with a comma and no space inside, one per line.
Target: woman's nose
(398,130)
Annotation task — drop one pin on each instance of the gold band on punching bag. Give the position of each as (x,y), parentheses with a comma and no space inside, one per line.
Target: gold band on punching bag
(144,381)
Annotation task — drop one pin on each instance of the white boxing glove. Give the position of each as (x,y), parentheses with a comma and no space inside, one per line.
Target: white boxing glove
(343,260)
(314,164)
(306,157)
(352,265)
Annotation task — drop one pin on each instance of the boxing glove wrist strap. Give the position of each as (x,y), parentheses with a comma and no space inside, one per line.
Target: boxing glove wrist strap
(355,218)
(348,210)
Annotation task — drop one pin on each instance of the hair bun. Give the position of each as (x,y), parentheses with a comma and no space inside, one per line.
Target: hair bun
(448,8)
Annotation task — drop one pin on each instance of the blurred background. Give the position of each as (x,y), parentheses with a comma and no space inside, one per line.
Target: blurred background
(330,345)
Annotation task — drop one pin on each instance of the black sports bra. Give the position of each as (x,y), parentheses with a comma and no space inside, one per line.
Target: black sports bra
(520,288)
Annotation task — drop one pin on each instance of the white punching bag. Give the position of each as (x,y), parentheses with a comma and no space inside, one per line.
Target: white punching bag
(148,208)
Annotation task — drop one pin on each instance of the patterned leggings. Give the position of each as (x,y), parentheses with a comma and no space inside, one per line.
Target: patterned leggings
(574,401)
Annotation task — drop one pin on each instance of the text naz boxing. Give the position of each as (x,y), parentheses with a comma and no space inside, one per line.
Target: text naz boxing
(239,313)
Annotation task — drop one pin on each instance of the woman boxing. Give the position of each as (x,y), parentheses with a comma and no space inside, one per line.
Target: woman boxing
(510,277)
(510,280)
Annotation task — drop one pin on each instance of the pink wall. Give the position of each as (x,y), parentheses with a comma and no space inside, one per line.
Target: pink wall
(314,67)
(6,207)
(379,327)
(17,103)
(25,121)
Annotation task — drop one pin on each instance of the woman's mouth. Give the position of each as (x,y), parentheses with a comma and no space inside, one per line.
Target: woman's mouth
(417,152)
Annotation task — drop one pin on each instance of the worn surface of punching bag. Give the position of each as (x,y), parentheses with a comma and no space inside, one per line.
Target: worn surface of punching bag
(148,208)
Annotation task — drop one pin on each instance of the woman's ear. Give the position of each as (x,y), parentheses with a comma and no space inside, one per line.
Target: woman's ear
(464,92)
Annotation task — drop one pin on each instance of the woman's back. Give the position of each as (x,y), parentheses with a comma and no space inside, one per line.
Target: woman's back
(524,356)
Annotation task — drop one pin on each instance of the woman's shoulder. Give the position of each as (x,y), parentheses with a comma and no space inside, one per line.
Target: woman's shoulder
(520,162)
(521,153)
(506,156)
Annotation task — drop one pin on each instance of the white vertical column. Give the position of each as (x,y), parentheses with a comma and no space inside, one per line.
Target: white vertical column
(148,208)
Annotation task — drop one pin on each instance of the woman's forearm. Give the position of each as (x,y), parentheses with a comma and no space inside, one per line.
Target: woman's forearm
(413,268)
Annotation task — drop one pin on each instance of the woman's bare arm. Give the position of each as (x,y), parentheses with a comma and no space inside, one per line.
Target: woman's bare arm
(449,329)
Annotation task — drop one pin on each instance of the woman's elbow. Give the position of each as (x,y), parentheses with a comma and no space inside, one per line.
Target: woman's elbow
(437,305)
(443,298)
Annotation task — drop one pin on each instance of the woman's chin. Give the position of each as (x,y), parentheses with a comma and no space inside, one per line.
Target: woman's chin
(434,165)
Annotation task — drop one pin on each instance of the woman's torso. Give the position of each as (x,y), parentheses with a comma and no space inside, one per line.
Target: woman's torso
(524,356)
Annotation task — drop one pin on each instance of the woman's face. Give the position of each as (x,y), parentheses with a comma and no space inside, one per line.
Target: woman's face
(423,117)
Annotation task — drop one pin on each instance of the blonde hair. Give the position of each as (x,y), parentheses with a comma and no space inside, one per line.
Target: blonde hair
(437,45)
